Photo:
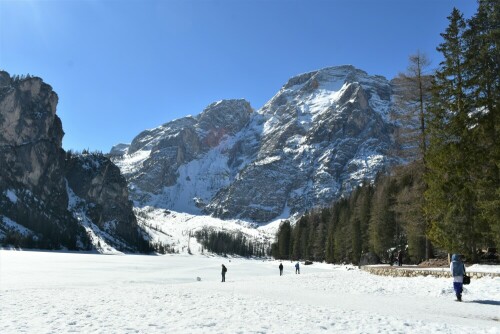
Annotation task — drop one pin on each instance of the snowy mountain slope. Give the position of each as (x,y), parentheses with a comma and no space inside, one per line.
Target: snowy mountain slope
(8,226)
(177,229)
(317,138)
(105,240)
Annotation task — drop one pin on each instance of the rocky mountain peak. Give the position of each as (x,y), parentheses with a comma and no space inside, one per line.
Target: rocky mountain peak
(225,117)
(319,78)
(321,135)
(331,86)
(222,118)
(232,114)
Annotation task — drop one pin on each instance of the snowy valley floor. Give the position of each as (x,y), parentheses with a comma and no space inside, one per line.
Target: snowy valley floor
(49,292)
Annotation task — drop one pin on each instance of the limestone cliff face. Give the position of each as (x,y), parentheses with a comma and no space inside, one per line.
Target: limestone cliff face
(30,138)
(37,178)
(32,186)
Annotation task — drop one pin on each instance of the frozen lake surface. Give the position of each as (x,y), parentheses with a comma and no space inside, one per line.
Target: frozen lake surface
(51,292)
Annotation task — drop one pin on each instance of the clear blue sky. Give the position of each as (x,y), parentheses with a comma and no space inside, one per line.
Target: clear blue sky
(120,67)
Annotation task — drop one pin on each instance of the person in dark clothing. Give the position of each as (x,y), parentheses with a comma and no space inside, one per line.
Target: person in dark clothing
(281,268)
(224,270)
(297,268)
(400,258)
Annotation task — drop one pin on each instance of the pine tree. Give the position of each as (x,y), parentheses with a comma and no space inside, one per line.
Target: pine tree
(483,68)
(319,242)
(355,226)
(451,196)
(409,209)
(360,207)
(330,243)
(297,236)
(284,235)
(341,240)
(382,223)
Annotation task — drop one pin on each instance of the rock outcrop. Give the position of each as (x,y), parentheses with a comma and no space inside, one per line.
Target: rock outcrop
(95,181)
(33,196)
(38,180)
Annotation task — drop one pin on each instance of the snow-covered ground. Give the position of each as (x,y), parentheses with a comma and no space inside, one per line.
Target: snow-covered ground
(49,292)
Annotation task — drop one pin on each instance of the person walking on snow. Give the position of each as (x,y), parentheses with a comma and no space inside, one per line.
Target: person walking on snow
(224,269)
(457,269)
(281,268)
(297,268)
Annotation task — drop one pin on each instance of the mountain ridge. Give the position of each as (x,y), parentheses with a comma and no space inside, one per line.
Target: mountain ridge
(312,142)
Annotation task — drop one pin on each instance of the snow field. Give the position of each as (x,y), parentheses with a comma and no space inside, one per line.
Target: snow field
(175,228)
(47,292)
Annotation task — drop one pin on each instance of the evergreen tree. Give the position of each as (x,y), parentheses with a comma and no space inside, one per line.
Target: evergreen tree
(330,239)
(445,194)
(483,73)
(297,235)
(382,220)
(319,241)
(284,240)
(354,227)
(364,213)
(460,173)
(340,236)
(409,209)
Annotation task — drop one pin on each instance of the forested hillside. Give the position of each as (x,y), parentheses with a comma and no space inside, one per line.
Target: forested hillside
(379,218)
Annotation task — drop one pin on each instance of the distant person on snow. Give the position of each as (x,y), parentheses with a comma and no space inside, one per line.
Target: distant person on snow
(224,270)
(400,258)
(297,268)
(457,269)
(281,268)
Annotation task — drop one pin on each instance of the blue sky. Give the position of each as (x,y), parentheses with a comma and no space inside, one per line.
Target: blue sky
(123,66)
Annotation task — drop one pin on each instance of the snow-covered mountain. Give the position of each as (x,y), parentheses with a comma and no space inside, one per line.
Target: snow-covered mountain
(317,138)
